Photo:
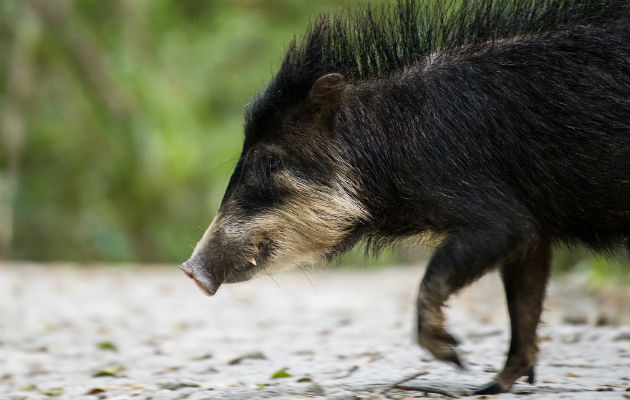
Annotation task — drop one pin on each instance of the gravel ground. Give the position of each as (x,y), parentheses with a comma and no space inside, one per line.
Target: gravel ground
(149,333)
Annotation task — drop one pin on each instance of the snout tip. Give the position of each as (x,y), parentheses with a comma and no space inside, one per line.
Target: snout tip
(187,268)
(202,279)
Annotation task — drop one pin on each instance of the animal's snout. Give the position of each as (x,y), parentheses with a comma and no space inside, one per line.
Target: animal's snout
(187,268)
(196,270)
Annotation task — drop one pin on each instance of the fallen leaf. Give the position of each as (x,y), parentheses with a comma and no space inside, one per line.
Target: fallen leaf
(103,373)
(572,375)
(351,370)
(205,356)
(53,392)
(174,368)
(250,356)
(112,371)
(281,374)
(95,391)
(107,345)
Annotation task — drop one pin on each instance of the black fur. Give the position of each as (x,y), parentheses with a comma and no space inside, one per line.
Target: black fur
(375,43)
(538,126)
(503,126)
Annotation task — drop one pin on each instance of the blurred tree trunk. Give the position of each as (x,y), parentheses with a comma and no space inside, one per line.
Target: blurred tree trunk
(86,56)
(85,53)
(14,111)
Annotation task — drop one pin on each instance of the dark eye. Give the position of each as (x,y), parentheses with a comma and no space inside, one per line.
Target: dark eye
(272,162)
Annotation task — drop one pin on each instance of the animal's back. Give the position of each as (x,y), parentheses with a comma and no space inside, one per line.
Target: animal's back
(581,139)
(549,117)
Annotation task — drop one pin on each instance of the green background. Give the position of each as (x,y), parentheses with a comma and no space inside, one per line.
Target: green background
(122,120)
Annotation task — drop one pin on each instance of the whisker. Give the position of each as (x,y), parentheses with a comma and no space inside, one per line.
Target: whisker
(213,170)
(270,276)
(302,269)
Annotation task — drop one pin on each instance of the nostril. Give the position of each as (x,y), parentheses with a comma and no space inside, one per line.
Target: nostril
(187,268)
(200,273)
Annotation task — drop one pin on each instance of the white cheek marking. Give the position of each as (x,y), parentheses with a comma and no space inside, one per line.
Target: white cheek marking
(309,224)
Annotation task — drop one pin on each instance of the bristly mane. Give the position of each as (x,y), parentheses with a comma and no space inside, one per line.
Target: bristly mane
(377,42)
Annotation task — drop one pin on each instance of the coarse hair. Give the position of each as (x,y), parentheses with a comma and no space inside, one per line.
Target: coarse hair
(377,41)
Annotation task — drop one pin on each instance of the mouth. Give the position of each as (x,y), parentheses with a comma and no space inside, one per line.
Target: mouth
(207,283)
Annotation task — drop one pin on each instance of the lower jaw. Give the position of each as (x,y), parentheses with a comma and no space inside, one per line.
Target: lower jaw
(204,290)
(239,278)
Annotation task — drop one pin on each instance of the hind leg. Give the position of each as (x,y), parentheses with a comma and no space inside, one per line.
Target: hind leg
(525,281)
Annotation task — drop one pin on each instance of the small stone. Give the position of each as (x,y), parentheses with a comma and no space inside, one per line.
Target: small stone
(209,370)
(575,319)
(603,320)
(344,322)
(314,390)
(176,385)
(623,336)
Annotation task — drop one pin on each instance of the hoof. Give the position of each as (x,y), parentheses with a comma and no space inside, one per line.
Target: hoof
(531,376)
(454,358)
(450,339)
(441,345)
(490,388)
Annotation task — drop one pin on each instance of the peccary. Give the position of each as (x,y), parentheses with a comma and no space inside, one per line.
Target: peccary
(498,128)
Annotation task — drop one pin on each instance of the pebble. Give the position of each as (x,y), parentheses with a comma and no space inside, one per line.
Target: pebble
(167,341)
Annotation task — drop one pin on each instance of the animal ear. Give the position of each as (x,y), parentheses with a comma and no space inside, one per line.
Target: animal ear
(325,96)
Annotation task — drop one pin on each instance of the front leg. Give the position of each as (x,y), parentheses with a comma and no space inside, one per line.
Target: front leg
(461,259)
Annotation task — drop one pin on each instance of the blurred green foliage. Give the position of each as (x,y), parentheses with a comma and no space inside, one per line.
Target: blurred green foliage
(134,118)
(122,120)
